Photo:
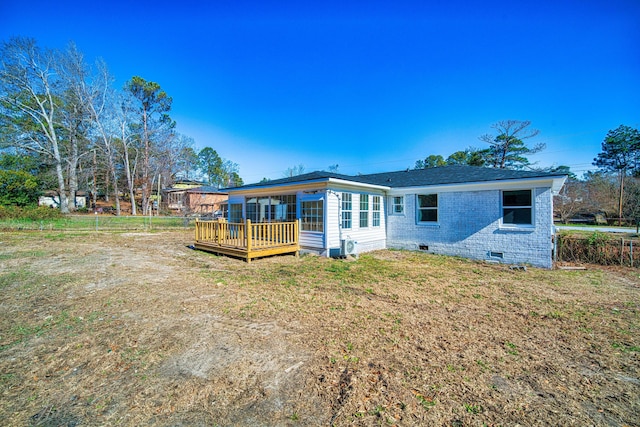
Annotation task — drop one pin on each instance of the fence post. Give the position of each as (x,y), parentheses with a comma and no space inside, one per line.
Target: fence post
(631,251)
(622,251)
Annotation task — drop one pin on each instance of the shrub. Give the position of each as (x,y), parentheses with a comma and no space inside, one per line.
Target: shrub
(33,213)
(42,212)
(17,188)
(8,212)
(598,238)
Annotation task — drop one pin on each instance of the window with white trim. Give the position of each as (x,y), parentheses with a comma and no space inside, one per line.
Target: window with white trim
(427,208)
(271,208)
(313,216)
(254,211)
(517,207)
(375,205)
(346,210)
(283,208)
(397,205)
(224,210)
(364,210)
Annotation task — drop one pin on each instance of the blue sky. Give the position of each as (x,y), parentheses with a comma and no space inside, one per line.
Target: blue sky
(370,86)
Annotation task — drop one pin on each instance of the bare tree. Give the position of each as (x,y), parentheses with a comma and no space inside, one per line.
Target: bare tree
(96,95)
(621,155)
(30,99)
(124,119)
(153,107)
(571,200)
(79,116)
(632,201)
(294,171)
(601,194)
(187,158)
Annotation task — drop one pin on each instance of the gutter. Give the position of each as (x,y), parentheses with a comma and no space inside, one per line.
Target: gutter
(556,185)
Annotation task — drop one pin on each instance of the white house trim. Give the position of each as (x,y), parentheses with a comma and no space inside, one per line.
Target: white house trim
(528,183)
(469,222)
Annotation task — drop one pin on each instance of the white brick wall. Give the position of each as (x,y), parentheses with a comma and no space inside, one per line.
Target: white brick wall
(469,226)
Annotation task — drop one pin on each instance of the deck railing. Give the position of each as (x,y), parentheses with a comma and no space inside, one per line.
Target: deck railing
(247,240)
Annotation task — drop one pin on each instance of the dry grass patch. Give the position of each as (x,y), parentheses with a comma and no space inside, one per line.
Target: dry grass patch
(137,329)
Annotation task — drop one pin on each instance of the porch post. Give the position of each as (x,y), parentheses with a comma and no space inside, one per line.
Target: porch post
(296,236)
(296,231)
(248,234)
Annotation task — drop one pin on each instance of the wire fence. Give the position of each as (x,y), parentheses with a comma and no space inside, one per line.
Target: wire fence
(100,223)
(598,248)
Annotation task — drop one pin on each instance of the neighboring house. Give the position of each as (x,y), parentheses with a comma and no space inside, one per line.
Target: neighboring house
(202,200)
(480,213)
(52,199)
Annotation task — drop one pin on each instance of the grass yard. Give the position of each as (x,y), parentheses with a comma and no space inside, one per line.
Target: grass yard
(137,329)
(103,222)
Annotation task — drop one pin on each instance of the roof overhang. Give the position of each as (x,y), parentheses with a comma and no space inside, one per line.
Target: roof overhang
(345,183)
(553,182)
(305,185)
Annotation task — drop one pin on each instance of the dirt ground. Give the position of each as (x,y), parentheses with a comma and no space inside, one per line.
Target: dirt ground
(139,329)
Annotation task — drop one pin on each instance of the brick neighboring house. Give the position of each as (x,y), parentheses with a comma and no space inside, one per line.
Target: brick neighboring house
(479,213)
(200,200)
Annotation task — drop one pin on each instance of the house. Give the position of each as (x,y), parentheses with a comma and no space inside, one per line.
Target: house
(201,200)
(479,213)
(52,199)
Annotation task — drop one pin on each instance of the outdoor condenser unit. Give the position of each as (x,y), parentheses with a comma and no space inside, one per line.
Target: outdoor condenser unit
(348,247)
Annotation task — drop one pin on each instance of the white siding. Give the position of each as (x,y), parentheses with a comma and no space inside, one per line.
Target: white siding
(332,222)
(367,239)
(312,240)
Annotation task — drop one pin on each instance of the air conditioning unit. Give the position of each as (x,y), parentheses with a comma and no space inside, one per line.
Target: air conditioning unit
(349,247)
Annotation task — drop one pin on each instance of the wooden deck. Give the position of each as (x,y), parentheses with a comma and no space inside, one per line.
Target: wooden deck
(247,240)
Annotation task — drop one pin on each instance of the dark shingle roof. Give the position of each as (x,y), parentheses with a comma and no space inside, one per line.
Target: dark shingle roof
(311,176)
(449,175)
(415,177)
(208,189)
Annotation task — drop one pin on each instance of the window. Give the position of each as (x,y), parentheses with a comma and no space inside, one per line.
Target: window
(271,209)
(427,208)
(283,208)
(235,212)
(253,209)
(376,210)
(313,216)
(516,207)
(224,210)
(364,210)
(398,205)
(346,210)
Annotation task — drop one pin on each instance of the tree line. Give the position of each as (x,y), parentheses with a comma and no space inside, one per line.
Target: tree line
(507,149)
(613,191)
(64,126)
